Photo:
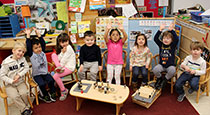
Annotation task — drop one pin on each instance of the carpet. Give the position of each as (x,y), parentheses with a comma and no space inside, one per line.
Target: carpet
(166,104)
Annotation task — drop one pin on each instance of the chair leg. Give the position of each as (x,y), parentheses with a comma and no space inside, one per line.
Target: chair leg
(124,76)
(30,101)
(172,86)
(130,80)
(148,75)
(76,77)
(6,106)
(99,74)
(198,93)
(36,96)
(207,88)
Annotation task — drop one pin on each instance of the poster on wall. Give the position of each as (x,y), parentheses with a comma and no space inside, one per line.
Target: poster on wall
(83,26)
(133,34)
(97,4)
(77,5)
(122,1)
(178,30)
(20,2)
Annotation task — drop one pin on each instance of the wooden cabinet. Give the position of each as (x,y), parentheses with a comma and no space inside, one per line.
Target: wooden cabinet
(9,26)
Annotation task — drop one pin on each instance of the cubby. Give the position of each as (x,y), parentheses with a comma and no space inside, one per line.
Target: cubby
(9,26)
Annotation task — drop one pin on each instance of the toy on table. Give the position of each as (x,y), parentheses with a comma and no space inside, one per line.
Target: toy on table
(103,88)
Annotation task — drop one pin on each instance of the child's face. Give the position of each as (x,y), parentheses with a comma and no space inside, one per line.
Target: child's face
(115,36)
(89,40)
(64,44)
(167,40)
(37,49)
(196,52)
(18,53)
(141,41)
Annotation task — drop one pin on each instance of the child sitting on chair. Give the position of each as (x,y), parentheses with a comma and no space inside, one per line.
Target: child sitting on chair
(35,50)
(167,48)
(90,57)
(13,70)
(194,66)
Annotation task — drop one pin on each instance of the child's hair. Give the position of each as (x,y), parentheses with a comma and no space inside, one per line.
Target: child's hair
(34,41)
(196,45)
(89,34)
(63,37)
(110,33)
(19,45)
(145,38)
(168,34)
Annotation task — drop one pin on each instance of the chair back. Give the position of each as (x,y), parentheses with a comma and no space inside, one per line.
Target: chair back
(206,76)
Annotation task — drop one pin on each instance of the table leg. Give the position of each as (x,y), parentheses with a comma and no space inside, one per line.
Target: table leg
(118,106)
(79,102)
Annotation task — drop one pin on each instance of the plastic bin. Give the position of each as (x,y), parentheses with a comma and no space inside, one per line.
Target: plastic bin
(195,16)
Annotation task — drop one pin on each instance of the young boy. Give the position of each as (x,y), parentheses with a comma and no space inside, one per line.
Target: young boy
(194,66)
(90,57)
(36,48)
(167,47)
(12,73)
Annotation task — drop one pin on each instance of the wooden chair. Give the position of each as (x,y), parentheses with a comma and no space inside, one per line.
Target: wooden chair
(149,69)
(204,83)
(173,79)
(104,59)
(4,96)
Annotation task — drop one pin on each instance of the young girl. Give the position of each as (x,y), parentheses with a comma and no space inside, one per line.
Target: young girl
(115,50)
(139,60)
(65,61)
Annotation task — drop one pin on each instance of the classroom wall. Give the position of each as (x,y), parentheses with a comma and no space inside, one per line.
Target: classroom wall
(180,4)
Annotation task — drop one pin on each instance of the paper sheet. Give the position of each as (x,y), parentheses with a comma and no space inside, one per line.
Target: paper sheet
(139,2)
(61,11)
(128,10)
(206,13)
(163,3)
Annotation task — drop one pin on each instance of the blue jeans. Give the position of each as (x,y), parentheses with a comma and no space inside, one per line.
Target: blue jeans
(136,71)
(42,80)
(185,76)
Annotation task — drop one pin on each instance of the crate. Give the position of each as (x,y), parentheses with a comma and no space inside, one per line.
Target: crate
(195,16)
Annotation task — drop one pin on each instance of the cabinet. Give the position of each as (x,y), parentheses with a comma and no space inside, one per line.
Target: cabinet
(9,26)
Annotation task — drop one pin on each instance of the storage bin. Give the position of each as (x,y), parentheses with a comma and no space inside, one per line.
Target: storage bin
(195,16)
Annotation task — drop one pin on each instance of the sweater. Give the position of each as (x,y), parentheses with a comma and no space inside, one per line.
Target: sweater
(166,52)
(90,54)
(11,67)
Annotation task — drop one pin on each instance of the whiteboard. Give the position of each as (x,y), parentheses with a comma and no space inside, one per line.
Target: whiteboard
(180,4)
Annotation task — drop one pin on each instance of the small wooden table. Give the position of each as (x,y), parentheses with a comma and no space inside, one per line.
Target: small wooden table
(118,96)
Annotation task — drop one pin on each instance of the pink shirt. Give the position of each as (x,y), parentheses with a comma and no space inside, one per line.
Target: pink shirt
(115,51)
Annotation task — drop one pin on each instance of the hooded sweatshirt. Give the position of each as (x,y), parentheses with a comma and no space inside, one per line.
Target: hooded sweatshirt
(11,67)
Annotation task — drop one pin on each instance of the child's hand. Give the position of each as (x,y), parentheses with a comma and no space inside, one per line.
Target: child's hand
(16,78)
(171,26)
(81,68)
(109,26)
(120,26)
(64,49)
(192,72)
(162,27)
(27,31)
(147,66)
(100,68)
(131,68)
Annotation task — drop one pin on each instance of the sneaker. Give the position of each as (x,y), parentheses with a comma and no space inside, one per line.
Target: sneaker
(53,97)
(45,99)
(27,112)
(181,97)
(190,91)
(157,83)
(59,70)
(63,95)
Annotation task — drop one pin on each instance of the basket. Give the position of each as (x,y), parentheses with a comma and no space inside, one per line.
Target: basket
(195,16)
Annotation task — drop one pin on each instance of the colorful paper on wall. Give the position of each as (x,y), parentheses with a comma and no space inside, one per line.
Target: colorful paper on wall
(83,26)
(61,11)
(25,11)
(73,27)
(97,4)
(77,5)
(20,2)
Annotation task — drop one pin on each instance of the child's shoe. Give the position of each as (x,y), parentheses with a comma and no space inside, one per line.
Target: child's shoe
(64,95)
(59,70)
(45,98)
(53,97)
(27,112)
(181,97)
(157,83)
(190,91)
(134,86)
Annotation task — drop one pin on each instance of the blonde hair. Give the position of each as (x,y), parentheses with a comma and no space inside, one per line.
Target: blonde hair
(19,45)
(196,45)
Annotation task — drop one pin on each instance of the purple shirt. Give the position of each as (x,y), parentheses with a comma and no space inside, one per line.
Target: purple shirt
(115,50)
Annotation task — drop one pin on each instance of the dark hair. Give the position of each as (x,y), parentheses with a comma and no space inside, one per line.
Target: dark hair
(168,33)
(63,37)
(145,38)
(89,34)
(110,33)
(34,41)
(196,45)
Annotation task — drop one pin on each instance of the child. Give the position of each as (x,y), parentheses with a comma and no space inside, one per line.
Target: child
(13,70)
(115,50)
(194,66)
(167,47)
(139,60)
(35,50)
(90,57)
(65,61)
